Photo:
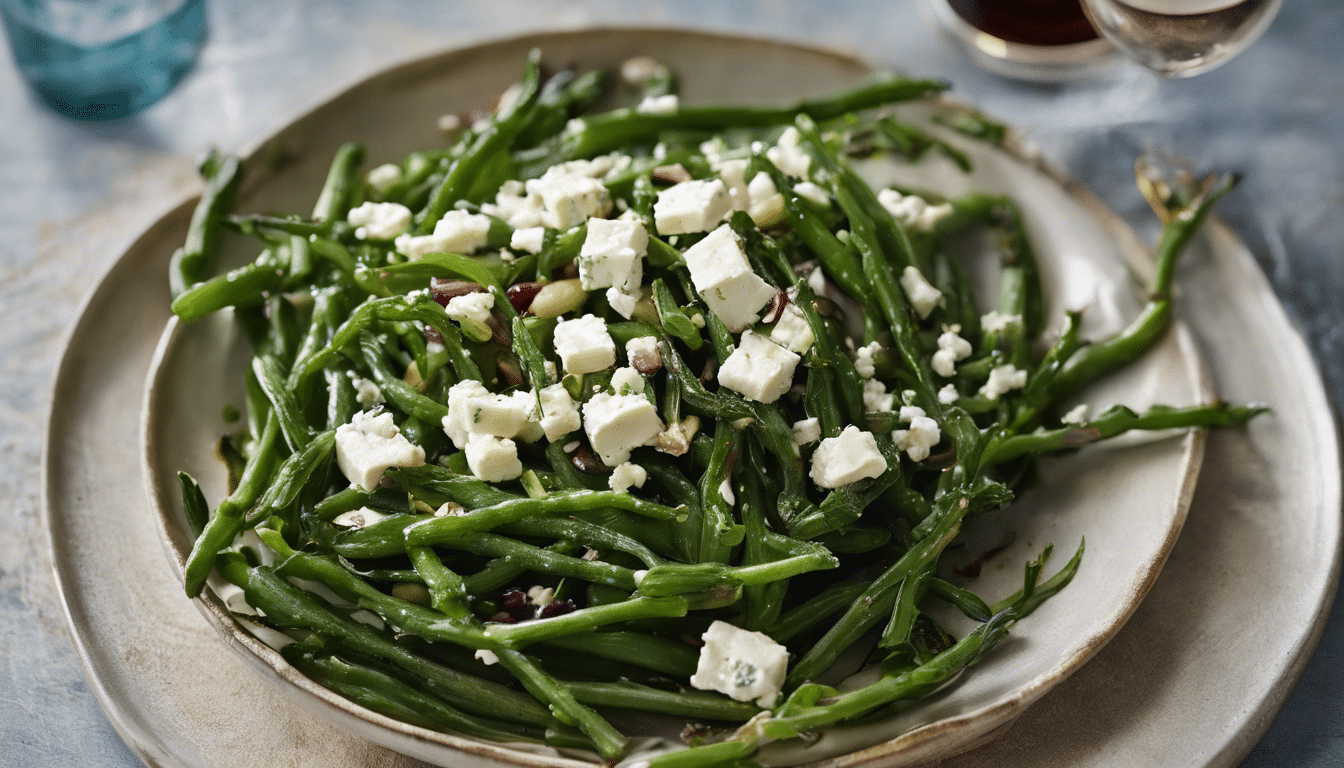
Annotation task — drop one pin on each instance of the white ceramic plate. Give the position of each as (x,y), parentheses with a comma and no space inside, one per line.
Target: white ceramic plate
(1129,503)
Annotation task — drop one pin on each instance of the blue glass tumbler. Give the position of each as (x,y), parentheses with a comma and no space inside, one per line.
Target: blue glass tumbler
(103,59)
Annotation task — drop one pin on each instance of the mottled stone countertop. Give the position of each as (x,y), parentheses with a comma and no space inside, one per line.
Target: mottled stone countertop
(72,195)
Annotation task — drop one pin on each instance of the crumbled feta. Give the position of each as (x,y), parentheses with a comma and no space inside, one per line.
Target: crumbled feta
(659,105)
(613,254)
(722,275)
(876,398)
(383,177)
(461,232)
(627,381)
(528,239)
(449,123)
(806,431)
(864,359)
(734,176)
(584,345)
(923,296)
(1076,415)
(1003,379)
(627,476)
(809,191)
(641,69)
(512,204)
(767,204)
(948,394)
(559,414)
(471,306)
(379,221)
(616,424)
(493,459)
(951,349)
(791,331)
(788,155)
(692,206)
(624,301)
(473,410)
(913,211)
(358,518)
(726,492)
(369,445)
(487,657)
(849,457)
(644,354)
(920,438)
(367,393)
(759,369)
(746,666)
(569,199)
(993,322)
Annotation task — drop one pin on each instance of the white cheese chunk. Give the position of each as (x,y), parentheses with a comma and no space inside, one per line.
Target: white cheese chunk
(471,306)
(922,435)
(759,369)
(722,276)
(584,345)
(659,105)
(1003,379)
(767,204)
(528,239)
(847,458)
(493,459)
(692,206)
(367,393)
(876,398)
(617,424)
(951,350)
(627,476)
(923,296)
(788,154)
(512,204)
(993,322)
(791,331)
(613,255)
(474,410)
(379,221)
(948,394)
(864,360)
(806,431)
(746,666)
(644,354)
(369,445)
(913,211)
(383,177)
(1076,415)
(569,199)
(487,657)
(358,518)
(624,302)
(734,176)
(559,414)
(462,232)
(626,381)
(809,191)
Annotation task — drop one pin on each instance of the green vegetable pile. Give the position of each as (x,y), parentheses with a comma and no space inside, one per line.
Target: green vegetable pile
(519,606)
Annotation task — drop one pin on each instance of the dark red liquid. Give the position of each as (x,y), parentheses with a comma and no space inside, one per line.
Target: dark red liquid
(1031,22)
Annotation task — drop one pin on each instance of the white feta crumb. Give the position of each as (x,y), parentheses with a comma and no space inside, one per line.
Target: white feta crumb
(659,105)
(788,154)
(923,296)
(791,331)
(590,555)
(746,666)
(809,191)
(493,459)
(1076,415)
(613,254)
(864,359)
(948,394)
(876,398)
(951,350)
(993,322)
(640,70)
(471,306)
(584,345)
(726,491)
(847,458)
(379,221)
(369,445)
(559,414)
(531,431)
(449,123)
(913,211)
(644,354)
(759,369)
(627,381)
(806,431)
(450,509)
(367,393)
(358,518)
(766,203)
(1003,379)
(692,206)
(462,232)
(528,239)
(475,410)
(487,657)
(617,424)
(624,301)
(509,99)
(723,277)
(383,177)
(569,199)
(734,176)
(627,476)
(540,596)
(920,438)
(515,206)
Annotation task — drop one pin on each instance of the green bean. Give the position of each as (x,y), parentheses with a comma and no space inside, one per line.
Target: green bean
(606,739)
(826,604)
(582,620)
(292,476)
(194,505)
(342,181)
(447,594)
(648,651)
(488,518)
(189,264)
(963,600)
(397,391)
(583,532)
(243,285)
(285,405)
(697,704)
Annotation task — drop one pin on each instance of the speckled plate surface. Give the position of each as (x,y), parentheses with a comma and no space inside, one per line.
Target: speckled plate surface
(177,702)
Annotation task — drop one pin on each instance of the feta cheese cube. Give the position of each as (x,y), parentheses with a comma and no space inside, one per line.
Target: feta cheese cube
(920,438)
(746,666)
(722,276)
(788,154)
(644,354)
(923,296)
(734,176)
(559,415)
(876,398)
(462,232)
(568,199)
(487,657)
(791,331)
(369,445)
(379,221)
(951,349)
(626,381)
(1076,415)
(759,369)
(993,322)
(1003,379)
(617,424)
(474,410)
(847,458)
(627,476)
(624,302)
(584,345)
(809,191)
(613,254)
(948,394)
(806,431)
(767,204)
(692,206)
(528,239)
(475,307)
(659,105)
(493,459)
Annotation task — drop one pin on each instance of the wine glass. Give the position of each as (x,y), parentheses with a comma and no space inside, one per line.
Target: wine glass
(1181,38)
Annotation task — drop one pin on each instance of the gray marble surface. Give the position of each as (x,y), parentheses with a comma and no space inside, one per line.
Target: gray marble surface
(1276,114)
